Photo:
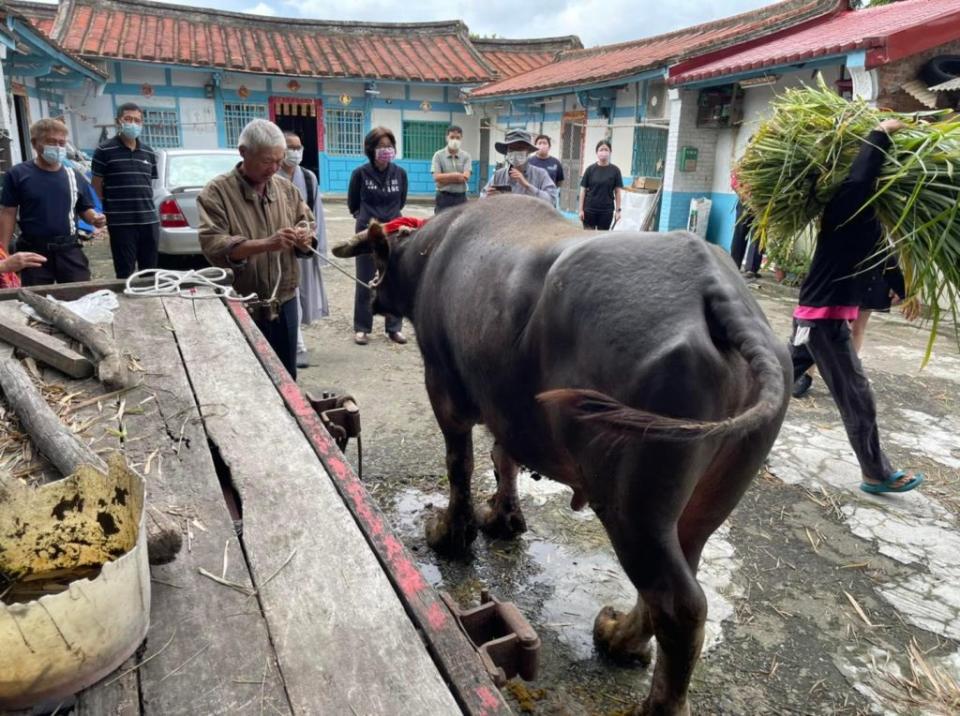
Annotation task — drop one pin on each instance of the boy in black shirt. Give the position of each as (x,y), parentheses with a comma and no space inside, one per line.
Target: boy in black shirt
(830,297)
(542,159)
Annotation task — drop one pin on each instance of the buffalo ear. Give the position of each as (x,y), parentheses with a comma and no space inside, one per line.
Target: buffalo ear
(354,246)
(378,240)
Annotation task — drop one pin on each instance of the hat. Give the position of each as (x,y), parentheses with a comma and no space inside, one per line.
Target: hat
(514,136)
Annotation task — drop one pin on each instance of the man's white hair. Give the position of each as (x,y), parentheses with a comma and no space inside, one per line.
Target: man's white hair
(261,134)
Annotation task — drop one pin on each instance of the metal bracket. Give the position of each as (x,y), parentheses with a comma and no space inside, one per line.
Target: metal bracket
(506,643)
(340,415)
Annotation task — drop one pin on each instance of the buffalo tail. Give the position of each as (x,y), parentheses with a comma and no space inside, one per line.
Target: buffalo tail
(619,420)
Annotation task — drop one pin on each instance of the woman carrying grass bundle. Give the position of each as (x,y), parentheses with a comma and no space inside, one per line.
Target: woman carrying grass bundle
(830,297)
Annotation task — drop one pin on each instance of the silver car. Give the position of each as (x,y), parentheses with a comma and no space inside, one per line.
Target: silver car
(182,174)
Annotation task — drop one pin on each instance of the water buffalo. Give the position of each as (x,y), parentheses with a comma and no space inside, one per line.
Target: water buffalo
(635,368)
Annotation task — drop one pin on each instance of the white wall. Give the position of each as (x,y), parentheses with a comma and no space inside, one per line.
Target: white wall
(186,78)
(88,111)
(198,119)
(732,142)
(143,74)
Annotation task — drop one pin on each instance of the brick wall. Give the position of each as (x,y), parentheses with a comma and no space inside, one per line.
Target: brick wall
(892,76)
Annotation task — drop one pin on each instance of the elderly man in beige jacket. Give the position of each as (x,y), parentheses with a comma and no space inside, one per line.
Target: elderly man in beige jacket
(256,223)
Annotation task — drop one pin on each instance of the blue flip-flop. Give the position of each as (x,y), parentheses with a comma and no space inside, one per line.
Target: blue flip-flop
(887,485)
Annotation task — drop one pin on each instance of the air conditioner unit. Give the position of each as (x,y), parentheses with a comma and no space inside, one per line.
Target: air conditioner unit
(656,107)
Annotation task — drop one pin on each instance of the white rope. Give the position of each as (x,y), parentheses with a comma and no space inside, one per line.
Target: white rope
(202,283)
(372,284)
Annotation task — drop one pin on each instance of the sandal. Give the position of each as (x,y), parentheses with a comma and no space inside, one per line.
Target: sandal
(361,339)
(876,488)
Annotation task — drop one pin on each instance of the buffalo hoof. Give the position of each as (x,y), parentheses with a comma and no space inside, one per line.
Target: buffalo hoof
(499,522)
(450,537)
(648,708)
(615,635)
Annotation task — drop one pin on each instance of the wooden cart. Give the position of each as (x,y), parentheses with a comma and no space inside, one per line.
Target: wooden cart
(317,607)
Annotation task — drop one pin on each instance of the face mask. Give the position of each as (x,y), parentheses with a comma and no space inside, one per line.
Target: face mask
(294,156)
(54,154)
(516,159)
(386,154)
(130,130)
(603,155)
(453,145)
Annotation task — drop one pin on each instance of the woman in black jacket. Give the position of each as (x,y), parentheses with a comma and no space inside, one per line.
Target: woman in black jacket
(378,190)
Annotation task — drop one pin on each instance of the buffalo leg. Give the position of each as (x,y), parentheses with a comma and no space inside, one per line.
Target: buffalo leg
(451,531)
(501,516)
(640,509)
(678,612)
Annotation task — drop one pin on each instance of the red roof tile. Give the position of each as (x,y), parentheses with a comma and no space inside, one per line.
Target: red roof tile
(36,16)
(175,34)
(41,15)
(611,62)
(931,22)
(511,57)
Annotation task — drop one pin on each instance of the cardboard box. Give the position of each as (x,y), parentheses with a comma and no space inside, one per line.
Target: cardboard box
(647,183)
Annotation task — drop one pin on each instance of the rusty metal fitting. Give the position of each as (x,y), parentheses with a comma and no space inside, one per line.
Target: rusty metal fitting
(506,643)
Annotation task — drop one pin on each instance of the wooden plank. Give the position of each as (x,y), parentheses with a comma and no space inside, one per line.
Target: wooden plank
(115,695)
(46,348)
(73,291)
(216,654)
(454,654)
(67,291)
(343,640)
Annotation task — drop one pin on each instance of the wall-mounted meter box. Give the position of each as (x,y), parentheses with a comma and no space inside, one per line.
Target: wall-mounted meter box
(688,159)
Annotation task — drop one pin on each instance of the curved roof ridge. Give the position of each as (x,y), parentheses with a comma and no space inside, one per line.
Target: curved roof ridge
(452,27)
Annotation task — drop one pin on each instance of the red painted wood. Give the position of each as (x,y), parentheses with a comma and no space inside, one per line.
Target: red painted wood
(451,650)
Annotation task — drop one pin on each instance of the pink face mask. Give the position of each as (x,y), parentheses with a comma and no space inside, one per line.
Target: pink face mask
(603,155)
(386,154)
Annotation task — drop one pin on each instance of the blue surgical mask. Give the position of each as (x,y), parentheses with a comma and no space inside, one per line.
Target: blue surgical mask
(131,130)
(54,154)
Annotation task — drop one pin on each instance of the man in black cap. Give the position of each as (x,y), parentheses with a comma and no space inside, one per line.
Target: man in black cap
(517,175)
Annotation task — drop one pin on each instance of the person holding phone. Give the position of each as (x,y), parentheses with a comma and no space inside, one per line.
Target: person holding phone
(518,175)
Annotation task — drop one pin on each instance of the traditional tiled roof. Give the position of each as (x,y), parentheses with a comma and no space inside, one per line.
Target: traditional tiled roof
(41,15)
(886,32)
(36,16)
(200,37)
(511,57)
(611,62)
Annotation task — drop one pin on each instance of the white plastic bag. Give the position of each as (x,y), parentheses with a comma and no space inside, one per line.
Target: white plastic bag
(96,307)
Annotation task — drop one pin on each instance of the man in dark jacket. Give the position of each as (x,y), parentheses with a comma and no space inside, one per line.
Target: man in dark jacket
(830,297)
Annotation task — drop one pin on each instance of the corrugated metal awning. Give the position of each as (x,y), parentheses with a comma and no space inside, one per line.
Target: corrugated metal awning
(948,86)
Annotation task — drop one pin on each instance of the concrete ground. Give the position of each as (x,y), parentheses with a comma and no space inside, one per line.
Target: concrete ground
(822,599)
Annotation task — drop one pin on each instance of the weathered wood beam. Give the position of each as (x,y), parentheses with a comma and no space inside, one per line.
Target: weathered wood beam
(111,364)
(47,349)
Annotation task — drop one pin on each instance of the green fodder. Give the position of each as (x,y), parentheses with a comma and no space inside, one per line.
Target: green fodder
(798,158)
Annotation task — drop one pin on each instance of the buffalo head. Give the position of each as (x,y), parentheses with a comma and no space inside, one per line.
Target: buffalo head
(389,295)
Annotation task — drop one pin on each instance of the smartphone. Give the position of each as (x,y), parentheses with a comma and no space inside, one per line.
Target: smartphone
(503,188)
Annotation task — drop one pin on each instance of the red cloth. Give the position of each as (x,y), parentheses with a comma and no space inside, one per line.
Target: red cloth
(10,279)
(837,313)
(394,225)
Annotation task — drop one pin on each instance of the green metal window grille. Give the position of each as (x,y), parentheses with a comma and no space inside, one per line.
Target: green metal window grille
(161,128)
(237,115)
(422,139)
(343,131)
(649,151)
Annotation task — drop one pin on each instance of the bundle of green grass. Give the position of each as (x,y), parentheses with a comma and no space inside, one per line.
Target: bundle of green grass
(799,157)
